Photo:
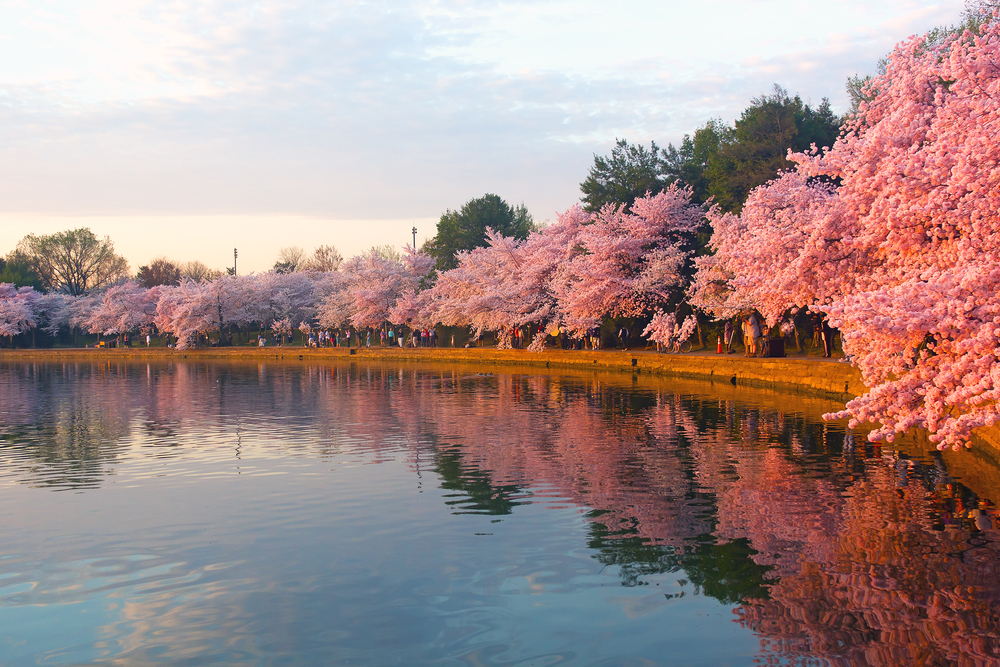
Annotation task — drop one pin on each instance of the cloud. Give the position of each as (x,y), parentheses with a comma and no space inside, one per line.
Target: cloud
(357,109)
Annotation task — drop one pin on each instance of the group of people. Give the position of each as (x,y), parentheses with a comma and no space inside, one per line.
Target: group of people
(423,338)
(517,338)
(753,330)
(262,341)
(591,341)
(753,338)
(387,337)
(754,335)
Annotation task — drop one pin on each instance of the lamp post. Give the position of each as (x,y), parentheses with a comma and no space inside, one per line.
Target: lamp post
(414,239)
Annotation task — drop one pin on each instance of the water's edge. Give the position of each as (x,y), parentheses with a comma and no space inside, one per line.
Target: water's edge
(795,374)
(798,374)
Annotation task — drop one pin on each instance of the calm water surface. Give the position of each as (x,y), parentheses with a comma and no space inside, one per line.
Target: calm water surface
(377,515)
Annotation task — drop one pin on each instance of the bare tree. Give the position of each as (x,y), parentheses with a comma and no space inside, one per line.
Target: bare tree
(385,252)
(290,259)
(196,271)
(325,259)
(75,260)
(161,271)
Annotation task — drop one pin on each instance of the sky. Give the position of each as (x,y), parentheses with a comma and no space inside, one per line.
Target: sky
(188,128)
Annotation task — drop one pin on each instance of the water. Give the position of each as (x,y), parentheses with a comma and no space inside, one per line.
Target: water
(267,514)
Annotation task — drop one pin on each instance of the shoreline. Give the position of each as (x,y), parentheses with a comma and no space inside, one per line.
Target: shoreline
(796,374)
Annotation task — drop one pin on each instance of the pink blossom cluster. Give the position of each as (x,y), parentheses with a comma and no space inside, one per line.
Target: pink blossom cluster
(17,313)
(664,329)
(362,295)
(893,233)
(571,274)
(566,276)
(787,248)
(23,309)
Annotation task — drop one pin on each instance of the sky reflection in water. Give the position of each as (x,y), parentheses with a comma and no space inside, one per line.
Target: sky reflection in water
(352,514)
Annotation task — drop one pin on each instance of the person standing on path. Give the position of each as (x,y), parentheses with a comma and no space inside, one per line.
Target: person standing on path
(728,335)
(755,333)
(827,333)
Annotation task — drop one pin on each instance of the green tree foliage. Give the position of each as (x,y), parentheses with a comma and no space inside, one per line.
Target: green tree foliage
(719,162)
(857,87)
(161,271)
(465,228)
(627,174)
(15,270)
(75,260)
(754,151)
(688,163)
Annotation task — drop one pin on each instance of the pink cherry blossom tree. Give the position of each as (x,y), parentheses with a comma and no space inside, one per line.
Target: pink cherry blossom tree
(507,283)
(282,327)
(246,300)
(919,169)
(572,273)
(411,309)
(487,290)
(79,309)
(17,314)
(629,261)
(333,301)
(331,304)
(664,330)
(52,311)
(372,286)
(122,309)
(284,296)
(902,253)
(790,247)
(187,310)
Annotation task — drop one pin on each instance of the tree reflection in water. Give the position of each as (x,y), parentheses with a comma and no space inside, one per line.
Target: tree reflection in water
(829,548)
